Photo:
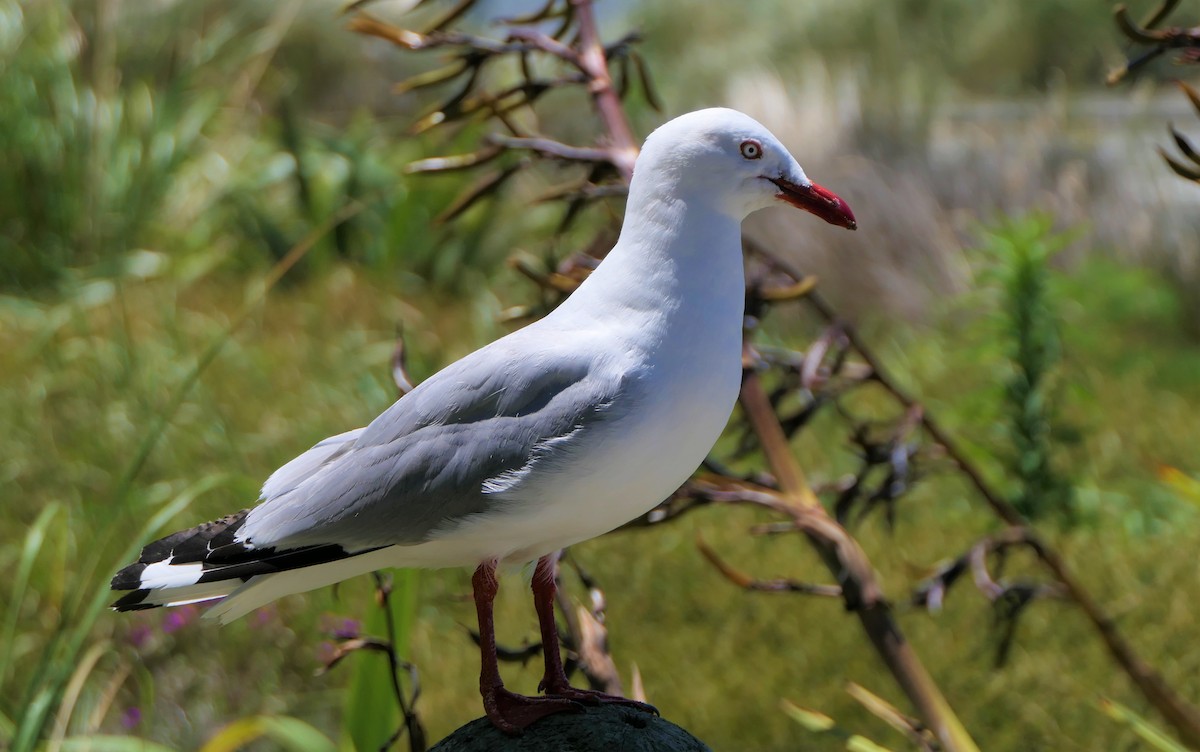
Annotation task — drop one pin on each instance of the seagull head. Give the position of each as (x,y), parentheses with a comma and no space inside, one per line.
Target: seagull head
(731,162)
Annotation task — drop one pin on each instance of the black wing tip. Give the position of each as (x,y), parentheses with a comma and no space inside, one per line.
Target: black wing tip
(194,544)
(185,546)
(133,601)
(129,578)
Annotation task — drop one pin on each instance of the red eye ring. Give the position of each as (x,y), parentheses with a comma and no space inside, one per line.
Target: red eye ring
(751,149)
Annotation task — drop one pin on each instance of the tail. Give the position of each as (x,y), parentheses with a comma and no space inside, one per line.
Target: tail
(208,562)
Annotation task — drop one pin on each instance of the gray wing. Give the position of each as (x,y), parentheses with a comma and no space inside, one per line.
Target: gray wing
(438,455)
(291,475)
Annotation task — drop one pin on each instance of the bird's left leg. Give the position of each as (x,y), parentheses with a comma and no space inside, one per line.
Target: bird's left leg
(554,682)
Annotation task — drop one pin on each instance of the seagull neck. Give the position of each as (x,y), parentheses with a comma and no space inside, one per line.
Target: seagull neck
(668,245)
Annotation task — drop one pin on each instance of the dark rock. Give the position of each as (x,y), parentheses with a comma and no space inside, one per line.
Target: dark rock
(600,728)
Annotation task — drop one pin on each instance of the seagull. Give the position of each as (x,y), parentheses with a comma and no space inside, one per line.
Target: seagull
(554,434)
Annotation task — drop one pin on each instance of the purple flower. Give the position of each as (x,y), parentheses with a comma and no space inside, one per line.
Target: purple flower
(348,629)
(131,718)
(263,616)
(341,627)
(178,618)
(139,635)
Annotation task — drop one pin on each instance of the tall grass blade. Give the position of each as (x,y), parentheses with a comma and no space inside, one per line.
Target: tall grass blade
(1145,730)
(71,695)
(50,676)
(34,538)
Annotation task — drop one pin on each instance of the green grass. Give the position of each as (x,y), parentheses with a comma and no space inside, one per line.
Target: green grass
(93,369)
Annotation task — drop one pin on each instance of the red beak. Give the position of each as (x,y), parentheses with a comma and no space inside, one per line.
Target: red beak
(820,201)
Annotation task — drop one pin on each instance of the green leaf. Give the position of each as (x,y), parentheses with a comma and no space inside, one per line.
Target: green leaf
(286,733)
(819,723)
(809,719)
(1146,731)
(858,743)
(35,537)
(1184,486)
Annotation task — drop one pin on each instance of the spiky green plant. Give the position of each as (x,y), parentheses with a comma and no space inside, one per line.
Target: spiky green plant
(1022,251)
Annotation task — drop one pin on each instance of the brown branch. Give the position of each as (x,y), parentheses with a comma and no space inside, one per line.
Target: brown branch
(1183,716)
(1160,14)
(788,473)
(548,147)
(455,162)
(985,582)
(586,636)
(997,503)
(594,63)
(362,23)
(846,560)
(536,40)
(1159,41)
(400,376)
(1145,34)
(779,585)
(585,192)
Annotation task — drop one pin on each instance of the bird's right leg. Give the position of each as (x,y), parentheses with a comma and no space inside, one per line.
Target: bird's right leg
(508,711)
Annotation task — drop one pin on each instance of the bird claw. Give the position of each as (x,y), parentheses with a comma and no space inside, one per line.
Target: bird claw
(513,713)
(592,697)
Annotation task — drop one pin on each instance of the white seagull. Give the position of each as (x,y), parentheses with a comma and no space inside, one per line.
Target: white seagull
(554,434)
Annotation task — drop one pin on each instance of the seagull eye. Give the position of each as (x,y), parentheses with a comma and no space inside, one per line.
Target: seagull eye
(752,149)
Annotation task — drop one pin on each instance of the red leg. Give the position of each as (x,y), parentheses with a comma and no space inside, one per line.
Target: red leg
(544,588)
(554,682)
(507,711)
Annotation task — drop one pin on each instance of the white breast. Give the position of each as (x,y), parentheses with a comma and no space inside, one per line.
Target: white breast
(683,369)
(665,312)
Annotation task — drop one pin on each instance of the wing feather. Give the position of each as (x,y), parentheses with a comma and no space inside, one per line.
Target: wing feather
(296,471)
(438,455)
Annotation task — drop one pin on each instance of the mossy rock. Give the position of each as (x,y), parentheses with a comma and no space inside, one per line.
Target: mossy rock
(599,728)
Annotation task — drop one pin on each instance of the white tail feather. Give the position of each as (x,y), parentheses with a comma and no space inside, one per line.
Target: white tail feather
(263,589)
(183,595)
(164,575)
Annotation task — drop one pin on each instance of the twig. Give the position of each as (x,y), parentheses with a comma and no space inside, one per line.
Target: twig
(889,714)
(587,636)
(554,149)
(594,64)
(780,585)
(410,723)
(1159,41)
(850,565)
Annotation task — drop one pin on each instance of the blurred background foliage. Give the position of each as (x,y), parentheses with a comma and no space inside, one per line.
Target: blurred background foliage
(156,158)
